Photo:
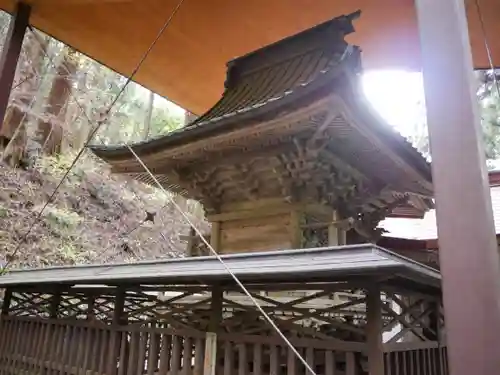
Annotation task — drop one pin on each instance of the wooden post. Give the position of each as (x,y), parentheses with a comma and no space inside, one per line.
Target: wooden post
(7,298)
(10,54)
(333,232)
(90,307)
(468,252)
(336,236)
(210,364)
(374,331)
(55,301)
(296,235)
(191,242)
(215,236)
(115,337)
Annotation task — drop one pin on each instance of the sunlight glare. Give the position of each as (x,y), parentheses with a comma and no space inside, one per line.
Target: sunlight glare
(396,95)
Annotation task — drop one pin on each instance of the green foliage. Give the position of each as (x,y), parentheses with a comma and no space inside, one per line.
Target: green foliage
(489,105)
(69,252)
(60,219)
(57,165)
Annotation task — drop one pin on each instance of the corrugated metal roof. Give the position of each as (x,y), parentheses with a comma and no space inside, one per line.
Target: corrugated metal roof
(331,263)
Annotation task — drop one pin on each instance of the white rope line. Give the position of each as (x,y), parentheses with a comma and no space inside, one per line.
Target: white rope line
(487,46)
(228,270)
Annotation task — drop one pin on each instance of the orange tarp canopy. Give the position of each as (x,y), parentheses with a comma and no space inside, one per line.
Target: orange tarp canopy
(188,64)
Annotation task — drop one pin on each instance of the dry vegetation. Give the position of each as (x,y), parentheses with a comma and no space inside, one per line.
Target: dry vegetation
(95,217)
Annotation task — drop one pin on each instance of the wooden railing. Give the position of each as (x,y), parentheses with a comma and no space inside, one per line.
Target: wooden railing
(425,358)
(261,355)
(39,346)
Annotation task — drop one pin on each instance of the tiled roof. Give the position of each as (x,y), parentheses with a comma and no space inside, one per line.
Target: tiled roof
(274,74)
(276,71)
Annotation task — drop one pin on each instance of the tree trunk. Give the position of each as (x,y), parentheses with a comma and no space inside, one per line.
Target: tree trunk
(14,133)
(149,115)
(51,129)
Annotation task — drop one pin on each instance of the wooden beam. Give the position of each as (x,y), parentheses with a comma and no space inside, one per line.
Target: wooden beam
(7,298)
(210,364)
(468,252)
(10,54)
(374,331)
(55,301)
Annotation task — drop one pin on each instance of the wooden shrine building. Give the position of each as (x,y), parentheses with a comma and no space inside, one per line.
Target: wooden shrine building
(292,155)
(290,158)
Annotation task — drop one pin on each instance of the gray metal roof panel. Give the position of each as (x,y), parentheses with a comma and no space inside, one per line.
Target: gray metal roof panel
(331,262)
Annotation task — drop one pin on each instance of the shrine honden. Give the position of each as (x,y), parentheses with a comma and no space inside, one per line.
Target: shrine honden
(295,172)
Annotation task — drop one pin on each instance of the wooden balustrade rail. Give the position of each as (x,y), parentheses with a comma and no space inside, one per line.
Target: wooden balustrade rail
(72,347)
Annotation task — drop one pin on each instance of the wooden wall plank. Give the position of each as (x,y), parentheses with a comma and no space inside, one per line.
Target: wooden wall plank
(122,365)
(165,354)
(141,355)
(153,354)
(187,356)
(330,365)
(176,355)
(199,354)
(228,358)
(350,364)
(257,359)
(291,363)
(106,350)
(274,360)
(133,354)
(242,359)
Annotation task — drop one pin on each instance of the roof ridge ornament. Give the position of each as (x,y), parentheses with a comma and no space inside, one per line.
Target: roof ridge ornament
(334,31)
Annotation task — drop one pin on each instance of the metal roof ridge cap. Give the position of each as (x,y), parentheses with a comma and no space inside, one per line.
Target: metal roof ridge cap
(239,256)
(328,23)
(406,262)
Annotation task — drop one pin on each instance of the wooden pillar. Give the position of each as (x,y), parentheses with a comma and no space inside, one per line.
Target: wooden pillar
(467,247)
(210,364)
(296,234)
(191,242)
(90,307)
(55,301)
(7,298)
(10,54)
(336,236)
(374,331)
(333,232)
(115,337)
(215,236)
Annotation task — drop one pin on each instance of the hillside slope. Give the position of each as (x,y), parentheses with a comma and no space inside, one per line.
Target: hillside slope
(95,217)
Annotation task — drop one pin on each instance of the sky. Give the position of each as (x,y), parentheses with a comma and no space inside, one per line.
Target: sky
(395,95)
